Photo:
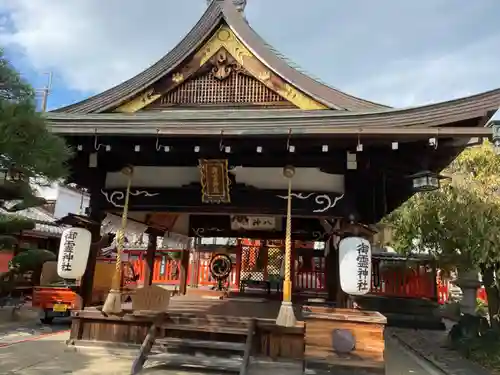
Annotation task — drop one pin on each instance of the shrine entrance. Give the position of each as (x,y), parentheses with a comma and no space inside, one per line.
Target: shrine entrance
(262,267)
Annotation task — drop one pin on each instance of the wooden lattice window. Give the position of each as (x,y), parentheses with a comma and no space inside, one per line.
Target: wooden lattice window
(238,88)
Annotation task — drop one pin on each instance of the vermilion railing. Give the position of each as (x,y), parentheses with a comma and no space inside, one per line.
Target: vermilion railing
(416,282)
(314,278)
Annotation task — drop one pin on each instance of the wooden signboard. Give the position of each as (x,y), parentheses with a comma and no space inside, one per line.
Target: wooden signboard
(151,298)
(243,222)
(214,181)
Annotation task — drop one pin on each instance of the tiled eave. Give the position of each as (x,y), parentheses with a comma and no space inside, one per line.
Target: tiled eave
(441,118)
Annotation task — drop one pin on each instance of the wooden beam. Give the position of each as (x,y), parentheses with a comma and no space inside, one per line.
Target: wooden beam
(243,198)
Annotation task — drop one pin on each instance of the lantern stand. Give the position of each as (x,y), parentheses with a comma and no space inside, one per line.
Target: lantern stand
(113,303)
(286,316)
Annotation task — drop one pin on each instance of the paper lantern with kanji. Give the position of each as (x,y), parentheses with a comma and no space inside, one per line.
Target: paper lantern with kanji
(73,253)
(355,265)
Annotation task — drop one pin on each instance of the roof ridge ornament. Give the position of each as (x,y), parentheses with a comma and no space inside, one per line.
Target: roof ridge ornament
(238,4)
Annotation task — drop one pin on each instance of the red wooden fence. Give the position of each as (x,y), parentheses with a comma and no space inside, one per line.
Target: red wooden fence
(416,282)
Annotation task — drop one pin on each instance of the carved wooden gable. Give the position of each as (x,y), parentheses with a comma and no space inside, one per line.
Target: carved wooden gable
(222,81)
(222,72)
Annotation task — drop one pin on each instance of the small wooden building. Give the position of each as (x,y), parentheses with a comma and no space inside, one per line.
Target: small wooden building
(225,103)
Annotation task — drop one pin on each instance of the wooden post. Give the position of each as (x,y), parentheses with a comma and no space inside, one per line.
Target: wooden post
(195,277)
(184,271)
(96,215)
(149,261)
(332,270)
(238,264)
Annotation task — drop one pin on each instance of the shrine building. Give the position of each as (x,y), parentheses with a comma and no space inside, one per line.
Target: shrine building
(210,127)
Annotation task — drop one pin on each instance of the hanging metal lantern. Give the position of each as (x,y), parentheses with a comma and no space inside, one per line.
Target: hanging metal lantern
(425,181)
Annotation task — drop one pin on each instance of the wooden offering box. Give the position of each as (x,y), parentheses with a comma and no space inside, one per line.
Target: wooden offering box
(329,328)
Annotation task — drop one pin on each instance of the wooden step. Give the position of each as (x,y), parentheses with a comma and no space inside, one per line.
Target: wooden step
(206,328)
(206,320)
(198,362)
(201,344)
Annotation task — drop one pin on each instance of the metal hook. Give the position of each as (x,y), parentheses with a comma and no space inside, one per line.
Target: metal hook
(289,138)
(221,144)
(158,146)
(97,146)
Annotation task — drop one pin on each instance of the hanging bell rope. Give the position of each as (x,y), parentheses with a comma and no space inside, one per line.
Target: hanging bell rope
(286,316)
(113,302)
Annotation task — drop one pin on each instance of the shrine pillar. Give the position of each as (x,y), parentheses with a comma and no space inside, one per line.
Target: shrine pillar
(184,269)
(149,261)
(96,216)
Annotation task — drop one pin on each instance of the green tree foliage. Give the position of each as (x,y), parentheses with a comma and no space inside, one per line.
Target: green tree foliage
(460,223)
(25,141)
(29,148)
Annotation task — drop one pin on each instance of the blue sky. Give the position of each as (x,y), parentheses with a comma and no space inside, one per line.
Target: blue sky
(401,53)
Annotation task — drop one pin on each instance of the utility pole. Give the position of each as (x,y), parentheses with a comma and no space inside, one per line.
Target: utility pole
(45,91)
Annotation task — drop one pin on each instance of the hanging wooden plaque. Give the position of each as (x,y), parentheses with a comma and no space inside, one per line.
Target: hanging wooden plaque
(214,181)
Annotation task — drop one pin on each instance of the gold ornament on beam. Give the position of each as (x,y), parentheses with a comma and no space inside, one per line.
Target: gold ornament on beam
(214,181)
(113,303)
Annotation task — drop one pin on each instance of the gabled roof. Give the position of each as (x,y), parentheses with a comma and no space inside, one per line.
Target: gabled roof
(217,12)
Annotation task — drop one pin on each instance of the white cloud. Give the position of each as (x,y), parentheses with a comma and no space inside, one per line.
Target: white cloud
(427,80)
(92,45)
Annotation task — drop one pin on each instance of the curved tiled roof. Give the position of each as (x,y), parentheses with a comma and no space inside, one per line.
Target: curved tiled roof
(266,121)
(221,10)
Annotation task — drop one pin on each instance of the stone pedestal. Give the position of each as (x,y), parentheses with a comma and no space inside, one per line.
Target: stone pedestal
(469,282)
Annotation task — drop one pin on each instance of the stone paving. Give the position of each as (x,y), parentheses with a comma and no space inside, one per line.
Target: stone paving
(48,354)
(432,346)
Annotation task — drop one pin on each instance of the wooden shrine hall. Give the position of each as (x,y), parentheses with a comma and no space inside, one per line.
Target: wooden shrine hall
(218,137)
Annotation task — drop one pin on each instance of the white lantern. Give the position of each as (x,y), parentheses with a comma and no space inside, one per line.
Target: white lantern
(73,253)
(355,265)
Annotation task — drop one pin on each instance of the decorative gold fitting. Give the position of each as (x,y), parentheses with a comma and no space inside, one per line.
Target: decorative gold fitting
(128,170)
(289,171)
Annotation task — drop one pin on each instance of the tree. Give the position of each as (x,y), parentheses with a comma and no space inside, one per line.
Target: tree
(460,223)
(25,141)
(29,153)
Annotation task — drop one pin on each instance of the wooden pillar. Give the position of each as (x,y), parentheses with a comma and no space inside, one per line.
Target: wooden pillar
(87,281)
(149,261)
(238,264)
(434,278)
(293,268)
(332,270)
(265,258)
(195,269)
(184,271)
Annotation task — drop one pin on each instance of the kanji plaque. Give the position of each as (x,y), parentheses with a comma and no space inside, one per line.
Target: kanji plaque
(214,181)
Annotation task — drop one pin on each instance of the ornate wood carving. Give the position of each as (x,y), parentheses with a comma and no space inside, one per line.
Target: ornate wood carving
(225,39)
(223,65)
(243,201)
(224,85)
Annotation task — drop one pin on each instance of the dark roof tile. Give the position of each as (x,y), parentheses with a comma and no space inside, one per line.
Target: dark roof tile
(217,11)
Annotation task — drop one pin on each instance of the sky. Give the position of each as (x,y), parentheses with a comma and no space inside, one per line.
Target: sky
(400,53)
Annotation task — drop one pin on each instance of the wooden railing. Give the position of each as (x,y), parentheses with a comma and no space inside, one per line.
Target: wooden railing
(415,282)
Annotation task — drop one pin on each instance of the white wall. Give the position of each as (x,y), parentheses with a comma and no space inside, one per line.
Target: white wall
(69,201)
